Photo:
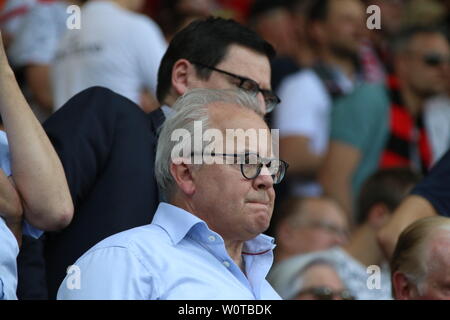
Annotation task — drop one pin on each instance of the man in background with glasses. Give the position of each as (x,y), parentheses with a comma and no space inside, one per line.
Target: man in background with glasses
(206,242)
(107,144)
(384,126)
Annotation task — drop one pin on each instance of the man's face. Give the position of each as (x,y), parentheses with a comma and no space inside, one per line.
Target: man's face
(242,62)
(235,207)
(344,26)
(320,226)
(423,77)
(321,278)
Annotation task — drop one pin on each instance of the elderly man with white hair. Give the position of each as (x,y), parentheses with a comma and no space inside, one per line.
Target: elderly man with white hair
(421,261)
(206,241)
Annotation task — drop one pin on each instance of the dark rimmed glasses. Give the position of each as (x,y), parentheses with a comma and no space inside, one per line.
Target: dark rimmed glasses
(248,85)
(325,293)
(251,165)
(434,59)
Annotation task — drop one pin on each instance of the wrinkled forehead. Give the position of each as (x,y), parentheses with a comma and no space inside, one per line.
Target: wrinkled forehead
(243,130)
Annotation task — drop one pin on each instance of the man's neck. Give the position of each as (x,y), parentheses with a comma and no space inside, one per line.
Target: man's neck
(364,247)
(344,64)
(234,249)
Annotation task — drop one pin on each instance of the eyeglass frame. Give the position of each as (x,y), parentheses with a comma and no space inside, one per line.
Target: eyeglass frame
(269,106)
(343,294)
(325,226)
(439,59)
(260,165)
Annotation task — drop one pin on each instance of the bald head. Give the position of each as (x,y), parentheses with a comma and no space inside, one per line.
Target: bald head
(421,261)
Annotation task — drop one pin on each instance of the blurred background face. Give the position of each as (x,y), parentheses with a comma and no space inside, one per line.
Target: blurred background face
(321,282)
(426,64)
(320,225)
(283,36)
(344,27)
(391,15)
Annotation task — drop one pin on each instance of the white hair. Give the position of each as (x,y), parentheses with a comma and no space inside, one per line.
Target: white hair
(189,108)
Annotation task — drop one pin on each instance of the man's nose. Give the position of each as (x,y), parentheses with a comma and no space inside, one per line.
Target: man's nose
(264,180)
(262,102)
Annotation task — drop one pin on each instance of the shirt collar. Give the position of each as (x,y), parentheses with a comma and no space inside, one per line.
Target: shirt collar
(178,223)
(175,221)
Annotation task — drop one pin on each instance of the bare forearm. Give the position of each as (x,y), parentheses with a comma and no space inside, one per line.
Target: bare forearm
(339,189)
(411,209)
(37,171)
(302,161)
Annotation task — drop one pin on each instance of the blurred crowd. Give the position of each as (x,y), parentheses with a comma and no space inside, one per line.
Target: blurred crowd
(364,115)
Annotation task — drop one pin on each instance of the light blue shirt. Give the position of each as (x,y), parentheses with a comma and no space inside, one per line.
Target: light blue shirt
(9,248)
(176,257)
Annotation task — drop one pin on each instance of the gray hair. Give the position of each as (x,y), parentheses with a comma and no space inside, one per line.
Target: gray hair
(411,252)
(287,277)
(191,107)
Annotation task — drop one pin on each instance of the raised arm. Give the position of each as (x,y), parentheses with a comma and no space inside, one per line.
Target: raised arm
(37,171)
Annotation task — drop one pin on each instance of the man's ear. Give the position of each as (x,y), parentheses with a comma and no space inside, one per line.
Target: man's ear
(378,215)
(182,72)
(403,289)
(182,174)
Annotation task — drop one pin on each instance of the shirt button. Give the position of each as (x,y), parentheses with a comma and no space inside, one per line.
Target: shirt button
(212,238)
(226,264)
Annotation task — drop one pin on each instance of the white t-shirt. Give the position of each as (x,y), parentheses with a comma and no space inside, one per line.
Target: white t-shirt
(13,15)
(305,111)
(115,48)
(358,278)
(437,123)
(39,34)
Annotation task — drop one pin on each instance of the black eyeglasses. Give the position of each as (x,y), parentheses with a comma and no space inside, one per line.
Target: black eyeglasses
(325,293)
(251,165)
(435,59)
(249,85)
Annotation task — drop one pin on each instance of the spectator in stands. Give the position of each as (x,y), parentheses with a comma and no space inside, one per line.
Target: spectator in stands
(421,261)
(115,48)
(378,127)
(206,242)
(12,15)
(289,37)
(264,15)
(98,131)
(303,116)
(379,197)
(428,198)
(175,15)
(308,277)
(36,187)
(34,48)
(309,224)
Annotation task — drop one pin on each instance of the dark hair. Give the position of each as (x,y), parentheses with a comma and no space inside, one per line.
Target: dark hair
(207,41)
(401,41)
(386,186)
(261,7)
(318,10)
